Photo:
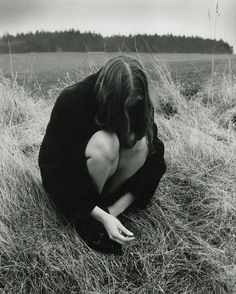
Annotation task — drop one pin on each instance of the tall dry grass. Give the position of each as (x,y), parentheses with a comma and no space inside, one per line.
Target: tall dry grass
(185,240)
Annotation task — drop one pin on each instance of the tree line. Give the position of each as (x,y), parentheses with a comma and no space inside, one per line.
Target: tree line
(74,40)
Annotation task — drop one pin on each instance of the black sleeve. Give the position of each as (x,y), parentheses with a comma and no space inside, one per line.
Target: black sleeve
(62,161)
(144,183)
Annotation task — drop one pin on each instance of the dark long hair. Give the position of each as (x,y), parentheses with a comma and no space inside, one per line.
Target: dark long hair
(123,104)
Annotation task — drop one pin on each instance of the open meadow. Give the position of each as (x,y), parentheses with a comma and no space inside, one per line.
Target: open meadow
(45,70)
(186,239)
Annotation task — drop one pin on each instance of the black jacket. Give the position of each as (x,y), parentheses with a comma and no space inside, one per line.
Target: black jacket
(62,159)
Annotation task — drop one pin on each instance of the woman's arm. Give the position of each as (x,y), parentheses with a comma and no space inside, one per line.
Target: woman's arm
(116,231)
(121,204)
(99,214)
(144,183)
(61,160)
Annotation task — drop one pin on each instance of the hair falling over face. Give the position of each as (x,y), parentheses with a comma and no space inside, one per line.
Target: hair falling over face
(122,100)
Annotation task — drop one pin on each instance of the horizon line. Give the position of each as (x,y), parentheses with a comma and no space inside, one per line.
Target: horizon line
(110,35)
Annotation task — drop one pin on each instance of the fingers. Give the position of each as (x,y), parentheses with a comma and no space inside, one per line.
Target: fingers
(118,237)
(117,231)
(125,231)
(118,241)
(122,239)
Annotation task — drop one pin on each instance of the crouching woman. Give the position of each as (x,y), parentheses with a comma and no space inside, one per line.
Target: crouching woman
(101,153)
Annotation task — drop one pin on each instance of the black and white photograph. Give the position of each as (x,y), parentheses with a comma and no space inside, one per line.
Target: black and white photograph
(118,146)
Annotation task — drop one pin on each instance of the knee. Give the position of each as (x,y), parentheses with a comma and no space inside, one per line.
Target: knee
(103,145)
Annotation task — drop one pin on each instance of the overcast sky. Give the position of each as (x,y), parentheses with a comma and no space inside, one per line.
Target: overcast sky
(179,17)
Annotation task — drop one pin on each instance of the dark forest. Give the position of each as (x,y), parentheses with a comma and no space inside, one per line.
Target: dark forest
(75,41)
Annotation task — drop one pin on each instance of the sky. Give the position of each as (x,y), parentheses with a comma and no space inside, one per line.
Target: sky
(179,17)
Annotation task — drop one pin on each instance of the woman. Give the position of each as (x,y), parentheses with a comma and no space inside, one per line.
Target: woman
(101,154)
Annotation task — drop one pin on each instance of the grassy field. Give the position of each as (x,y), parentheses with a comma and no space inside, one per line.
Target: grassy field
(46,70)
(186,239)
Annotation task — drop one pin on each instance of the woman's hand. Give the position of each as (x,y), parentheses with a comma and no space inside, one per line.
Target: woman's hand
(116,231)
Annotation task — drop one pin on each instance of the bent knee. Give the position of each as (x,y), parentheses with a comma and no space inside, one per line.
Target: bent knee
(103,144)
